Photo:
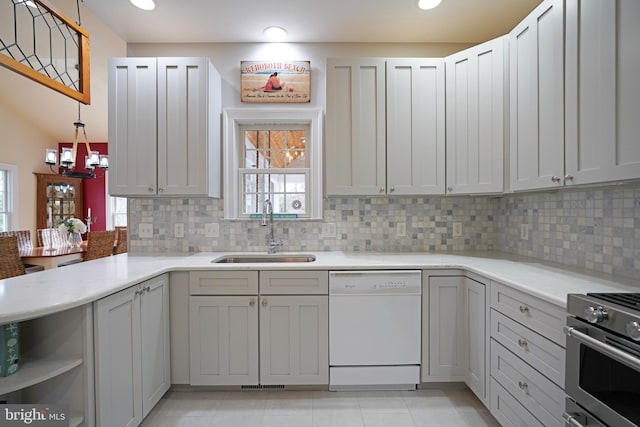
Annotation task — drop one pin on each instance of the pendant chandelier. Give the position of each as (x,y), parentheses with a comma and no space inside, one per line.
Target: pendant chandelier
(68,162)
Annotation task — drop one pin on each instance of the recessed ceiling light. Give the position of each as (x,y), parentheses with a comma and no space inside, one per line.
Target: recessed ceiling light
(275,33)
(428,4)
(144,4)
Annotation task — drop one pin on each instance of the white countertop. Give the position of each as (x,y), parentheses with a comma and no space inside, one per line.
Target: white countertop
(50,291)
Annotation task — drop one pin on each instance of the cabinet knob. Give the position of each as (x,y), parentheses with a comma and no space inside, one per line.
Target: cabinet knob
(147,289)
(381,190)
(568,177)
(151,190)
(392,189)
(449,189)
(264,302)
(252,303)
(160,189)
(524,309)
(523,386)
(523,343)
(555,178)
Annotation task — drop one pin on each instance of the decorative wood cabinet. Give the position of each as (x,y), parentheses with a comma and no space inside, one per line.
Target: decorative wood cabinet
(64,195)
(164,127)
(477,82)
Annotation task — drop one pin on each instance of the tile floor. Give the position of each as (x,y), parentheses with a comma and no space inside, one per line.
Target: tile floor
(450,408)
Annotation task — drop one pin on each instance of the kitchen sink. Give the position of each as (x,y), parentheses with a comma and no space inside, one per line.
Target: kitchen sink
(245,259)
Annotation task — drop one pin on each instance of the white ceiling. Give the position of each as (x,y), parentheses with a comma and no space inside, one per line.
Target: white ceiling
(312,21)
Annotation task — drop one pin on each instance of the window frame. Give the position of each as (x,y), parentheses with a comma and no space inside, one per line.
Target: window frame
(12,195)
(233,154)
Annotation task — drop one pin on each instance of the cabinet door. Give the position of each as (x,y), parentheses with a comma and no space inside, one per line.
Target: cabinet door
(447,328)
(475,310)
(537,98)
(602,91)
(184,140)
(223,340)
(294,340)
(475,118)
(132,126)
(118,360)
(355,141)
(415,126)
(154,324)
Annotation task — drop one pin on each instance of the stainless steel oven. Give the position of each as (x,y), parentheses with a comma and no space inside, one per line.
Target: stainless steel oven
(603,360)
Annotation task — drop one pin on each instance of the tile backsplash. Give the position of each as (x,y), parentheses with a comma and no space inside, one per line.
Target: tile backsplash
(596,229)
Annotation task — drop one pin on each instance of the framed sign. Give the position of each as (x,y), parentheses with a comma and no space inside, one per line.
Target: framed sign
(275,81)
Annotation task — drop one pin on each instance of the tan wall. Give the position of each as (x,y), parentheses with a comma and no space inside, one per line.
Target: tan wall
(33,117)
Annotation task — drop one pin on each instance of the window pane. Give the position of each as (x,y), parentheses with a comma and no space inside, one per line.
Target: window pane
(3,191)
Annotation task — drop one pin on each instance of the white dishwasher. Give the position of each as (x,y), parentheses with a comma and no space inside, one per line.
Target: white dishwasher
(374,329)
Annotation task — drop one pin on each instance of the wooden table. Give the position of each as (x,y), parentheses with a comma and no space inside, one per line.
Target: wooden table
(52,258)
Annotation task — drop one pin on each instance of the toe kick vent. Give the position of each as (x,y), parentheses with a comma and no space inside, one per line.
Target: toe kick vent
(262,387)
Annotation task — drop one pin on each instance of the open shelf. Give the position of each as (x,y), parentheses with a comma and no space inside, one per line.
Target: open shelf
(36,371)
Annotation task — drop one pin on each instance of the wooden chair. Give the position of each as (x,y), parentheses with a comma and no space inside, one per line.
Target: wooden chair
(10,262)
(23,238)
(121,242)
(99,244)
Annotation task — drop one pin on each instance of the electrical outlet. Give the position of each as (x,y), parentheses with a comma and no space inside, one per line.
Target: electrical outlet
(212,230)
(524,231)
(457,229)
(178,231)
(145,231)
(328,230)
(401,229)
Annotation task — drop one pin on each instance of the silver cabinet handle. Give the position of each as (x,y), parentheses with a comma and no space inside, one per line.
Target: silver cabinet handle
(524,309)
(160,189)
(392,189)
(523,386)
(139,291)
(449,189)
(147,289)
(571,420)
(264,302)
(614,353)
(523,343)
(568,177)
(381,190)
(151,190)
(555,178)
(252,303)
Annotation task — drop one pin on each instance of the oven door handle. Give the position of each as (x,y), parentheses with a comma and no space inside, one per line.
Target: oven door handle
(607,349)
(571,420)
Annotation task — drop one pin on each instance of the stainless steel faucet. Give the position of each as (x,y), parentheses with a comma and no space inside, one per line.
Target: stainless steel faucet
(272,243)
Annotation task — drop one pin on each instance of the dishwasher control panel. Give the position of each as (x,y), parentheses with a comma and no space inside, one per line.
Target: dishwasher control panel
(372,282)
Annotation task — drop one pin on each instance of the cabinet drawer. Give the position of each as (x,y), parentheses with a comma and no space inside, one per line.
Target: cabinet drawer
(223,283)
(544,355)
(294,282)
(508,411)
(545,318)
(534,391)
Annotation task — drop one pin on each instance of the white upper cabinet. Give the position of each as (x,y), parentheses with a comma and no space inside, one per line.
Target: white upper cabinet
(164,127)
(355,138)
(476,89)
(415,126)
(602,90)
(536,107)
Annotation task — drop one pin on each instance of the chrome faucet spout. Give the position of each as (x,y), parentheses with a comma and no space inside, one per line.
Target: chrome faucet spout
(271,242)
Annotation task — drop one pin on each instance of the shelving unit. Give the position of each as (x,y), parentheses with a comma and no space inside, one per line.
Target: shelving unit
(56,354)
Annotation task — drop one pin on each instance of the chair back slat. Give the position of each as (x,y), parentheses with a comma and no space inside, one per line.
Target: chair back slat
(10,262)
(99,244)
(23,237)
(51,238)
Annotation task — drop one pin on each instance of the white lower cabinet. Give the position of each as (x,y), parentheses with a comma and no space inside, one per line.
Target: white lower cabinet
(294,346)
(262,339)
(455,348)
(527,359)
(132,352)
